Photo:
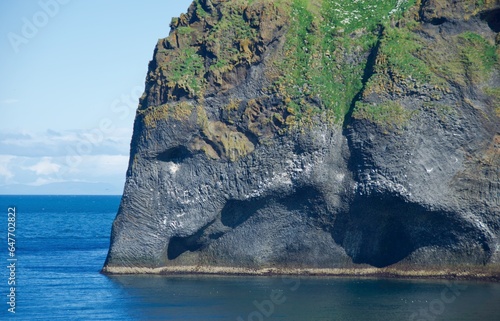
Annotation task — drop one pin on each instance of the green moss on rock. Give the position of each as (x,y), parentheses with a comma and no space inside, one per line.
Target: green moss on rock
(178,111)
(229,143)
(464,59)
(389,115)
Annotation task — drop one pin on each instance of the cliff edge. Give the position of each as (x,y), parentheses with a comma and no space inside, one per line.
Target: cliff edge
(324,137)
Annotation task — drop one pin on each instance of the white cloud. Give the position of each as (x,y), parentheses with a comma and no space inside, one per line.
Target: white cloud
(38,172)
(44,181)
(5,172)
(45,167)
(35,159)
(4,166)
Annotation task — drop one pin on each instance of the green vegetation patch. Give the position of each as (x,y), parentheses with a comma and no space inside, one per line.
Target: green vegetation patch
(182,31)
(186,70)
(478,56)
(358,14)
(494,92)
(200,12)
(397,55)
(400,62)
(325,52)
(388,115)
(406,61)
(323,60)
(464,59)
(228,39)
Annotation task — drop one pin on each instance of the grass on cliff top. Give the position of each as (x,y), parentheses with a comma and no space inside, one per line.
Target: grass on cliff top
(325,52)
(187,70)
(399,63)
(324,56)
(225,39)
(352,15)
(397,49)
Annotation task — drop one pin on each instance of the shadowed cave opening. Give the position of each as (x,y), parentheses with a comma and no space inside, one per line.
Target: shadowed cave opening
(372,232)
(179,245)
(438,21)
(176,154)
(493,19)
(379,230)
(382,230)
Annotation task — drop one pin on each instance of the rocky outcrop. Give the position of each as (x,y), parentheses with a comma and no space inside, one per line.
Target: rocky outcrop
(297,136)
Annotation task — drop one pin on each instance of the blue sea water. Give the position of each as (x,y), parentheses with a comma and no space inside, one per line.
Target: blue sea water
(61,245)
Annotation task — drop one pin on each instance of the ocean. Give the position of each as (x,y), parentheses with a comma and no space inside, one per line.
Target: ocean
(59,244)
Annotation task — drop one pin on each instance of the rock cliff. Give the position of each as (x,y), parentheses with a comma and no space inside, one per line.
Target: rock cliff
(317,136)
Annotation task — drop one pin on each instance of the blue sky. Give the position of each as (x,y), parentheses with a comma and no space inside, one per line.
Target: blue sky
(71,75)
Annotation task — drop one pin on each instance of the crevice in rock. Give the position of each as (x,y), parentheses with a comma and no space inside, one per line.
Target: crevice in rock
(207,6)
(178,92)
(209,56)
(254,139)
(177,40)
(367,73)
(214,146)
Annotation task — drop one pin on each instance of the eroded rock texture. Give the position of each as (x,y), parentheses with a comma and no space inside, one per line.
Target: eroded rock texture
(275,135)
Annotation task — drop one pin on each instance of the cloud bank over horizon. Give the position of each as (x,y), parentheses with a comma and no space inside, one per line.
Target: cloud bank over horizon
(31,159)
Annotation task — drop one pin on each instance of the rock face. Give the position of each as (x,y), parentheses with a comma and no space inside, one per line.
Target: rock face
(287,135)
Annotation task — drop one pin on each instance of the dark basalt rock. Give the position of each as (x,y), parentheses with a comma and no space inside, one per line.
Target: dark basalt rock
(220,177)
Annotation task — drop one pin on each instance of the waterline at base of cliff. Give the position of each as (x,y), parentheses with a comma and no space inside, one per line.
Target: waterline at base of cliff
(441,273)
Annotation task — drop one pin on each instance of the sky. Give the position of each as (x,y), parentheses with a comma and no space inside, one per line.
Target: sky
(72,72)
